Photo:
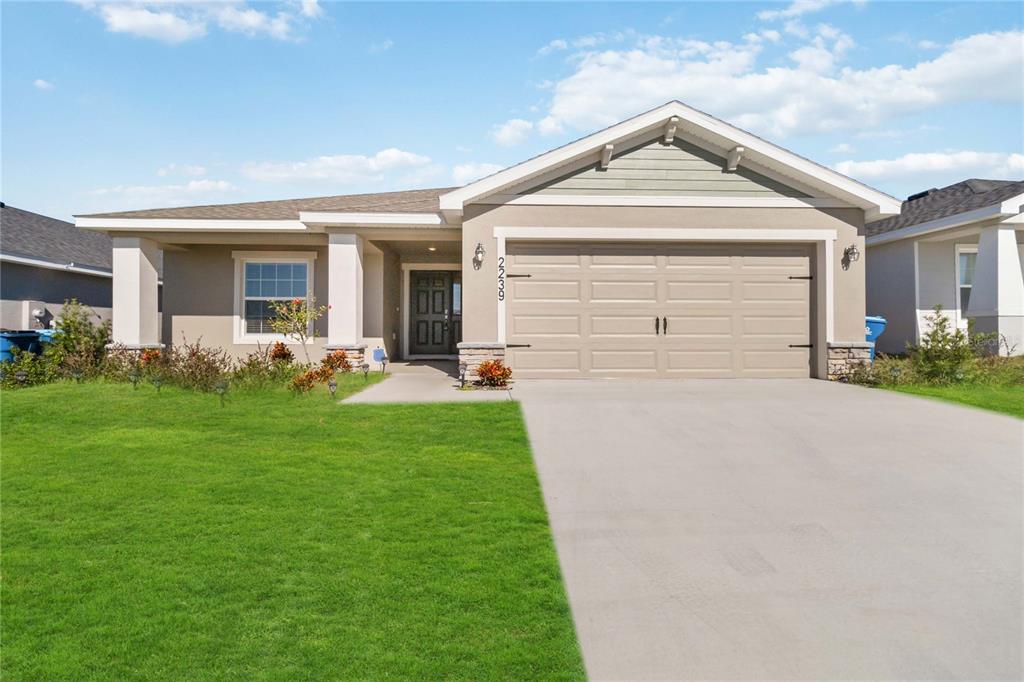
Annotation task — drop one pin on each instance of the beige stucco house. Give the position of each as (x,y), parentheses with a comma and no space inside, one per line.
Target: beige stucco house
(669,245)
(960,247)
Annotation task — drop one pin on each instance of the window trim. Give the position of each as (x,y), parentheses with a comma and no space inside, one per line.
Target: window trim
(238,333)
(961,319)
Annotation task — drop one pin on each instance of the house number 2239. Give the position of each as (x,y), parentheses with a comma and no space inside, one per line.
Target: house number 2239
(501,278)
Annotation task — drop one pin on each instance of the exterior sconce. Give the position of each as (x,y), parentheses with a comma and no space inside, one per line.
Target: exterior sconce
(851,254)
(478,256)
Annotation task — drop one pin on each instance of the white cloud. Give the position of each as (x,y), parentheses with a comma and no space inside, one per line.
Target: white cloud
(382,46)
(253,22)
(41,84)
(311,9)
(557,44)
(158,196)
(798,8)
(842,148)
(177,21)
(512,132)
(929,45)
(165,26)
(813,94)
(341,168)
(952,165)
(465,173)
(192,170)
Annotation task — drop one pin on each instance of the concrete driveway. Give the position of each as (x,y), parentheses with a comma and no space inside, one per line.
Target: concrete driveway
(782,529)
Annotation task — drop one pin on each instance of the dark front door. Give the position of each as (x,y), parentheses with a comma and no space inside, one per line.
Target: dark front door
(434,327)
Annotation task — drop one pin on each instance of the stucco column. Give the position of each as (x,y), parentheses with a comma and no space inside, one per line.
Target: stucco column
(997,292)
(136,317)
(345,291)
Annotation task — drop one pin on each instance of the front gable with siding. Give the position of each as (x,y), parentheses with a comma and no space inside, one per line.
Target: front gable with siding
(654,168)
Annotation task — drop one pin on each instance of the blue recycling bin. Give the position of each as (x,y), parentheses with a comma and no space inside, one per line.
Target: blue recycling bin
(26,341)
(874,327)
(47,336)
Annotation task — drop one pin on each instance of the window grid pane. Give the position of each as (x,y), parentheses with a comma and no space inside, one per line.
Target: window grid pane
(265,283)
(967,261)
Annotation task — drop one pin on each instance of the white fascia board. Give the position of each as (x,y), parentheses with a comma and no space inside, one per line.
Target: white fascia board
(676,201)
(875,203)
(1013,205)
(946,223)
(50,265)
(190,225)
(334,218)
(665,234)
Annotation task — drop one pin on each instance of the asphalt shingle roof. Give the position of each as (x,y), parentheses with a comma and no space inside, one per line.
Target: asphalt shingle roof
(27,234)
(961,197)
(412,201)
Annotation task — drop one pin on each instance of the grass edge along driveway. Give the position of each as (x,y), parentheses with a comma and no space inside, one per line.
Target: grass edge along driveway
(1007,399)
(159,536)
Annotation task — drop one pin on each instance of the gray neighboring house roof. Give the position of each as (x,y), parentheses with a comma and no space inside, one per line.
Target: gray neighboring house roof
(933,204)
(412,201)
(30,235)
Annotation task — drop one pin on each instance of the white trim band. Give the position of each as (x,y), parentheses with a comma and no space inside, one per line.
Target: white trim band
(672,201)
(50,265)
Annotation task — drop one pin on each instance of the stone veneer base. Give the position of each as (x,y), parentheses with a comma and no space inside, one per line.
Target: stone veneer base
(844,355)
(472,354)
(356,353)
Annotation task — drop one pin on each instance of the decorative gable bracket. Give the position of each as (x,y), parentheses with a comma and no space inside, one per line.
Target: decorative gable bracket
(606,155)
(670,129)
(732,160)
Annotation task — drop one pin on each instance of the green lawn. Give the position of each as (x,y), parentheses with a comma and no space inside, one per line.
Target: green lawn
(161,537)
(1008,399)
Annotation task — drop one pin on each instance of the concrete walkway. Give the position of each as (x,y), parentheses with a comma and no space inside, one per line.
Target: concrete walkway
(739,530)
(423,382)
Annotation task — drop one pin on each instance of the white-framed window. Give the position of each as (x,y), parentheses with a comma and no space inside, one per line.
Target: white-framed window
(966,257)
(262,278)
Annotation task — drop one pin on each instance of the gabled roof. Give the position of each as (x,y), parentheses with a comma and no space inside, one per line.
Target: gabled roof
(29,235)
(412,201)
(700,124)
(960,198)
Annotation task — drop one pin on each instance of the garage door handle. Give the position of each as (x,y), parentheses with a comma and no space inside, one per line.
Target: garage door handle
(656,323)
(664,325)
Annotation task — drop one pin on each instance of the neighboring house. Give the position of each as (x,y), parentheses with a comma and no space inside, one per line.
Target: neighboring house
(959,247)
(45,261)
(669,245)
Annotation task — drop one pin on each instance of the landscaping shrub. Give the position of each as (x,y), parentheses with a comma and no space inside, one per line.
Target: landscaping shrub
(263,367)
(305,382)
(37,369)
(493,373)
(191,365)
(944,354)
(337,361)
(279,352)
(79,347)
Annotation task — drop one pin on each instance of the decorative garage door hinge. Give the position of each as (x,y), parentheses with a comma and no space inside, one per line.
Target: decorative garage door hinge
(518,345)
(801,345)
(801,276)
(511,275)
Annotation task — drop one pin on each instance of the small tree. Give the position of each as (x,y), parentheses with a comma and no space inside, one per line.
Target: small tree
(944,354)
(296,319)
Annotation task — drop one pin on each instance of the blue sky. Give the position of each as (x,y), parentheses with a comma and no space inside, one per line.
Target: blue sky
(119,105)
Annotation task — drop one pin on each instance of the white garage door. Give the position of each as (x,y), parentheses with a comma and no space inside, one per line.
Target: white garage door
(668,310)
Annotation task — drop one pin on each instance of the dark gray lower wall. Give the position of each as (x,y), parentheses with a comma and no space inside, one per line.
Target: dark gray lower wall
(26,283)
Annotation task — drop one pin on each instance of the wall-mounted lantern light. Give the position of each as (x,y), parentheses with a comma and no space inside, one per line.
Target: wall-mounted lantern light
(851,254)
(478,256)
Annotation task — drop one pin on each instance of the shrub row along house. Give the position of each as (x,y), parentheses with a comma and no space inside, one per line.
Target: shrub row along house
(669,245)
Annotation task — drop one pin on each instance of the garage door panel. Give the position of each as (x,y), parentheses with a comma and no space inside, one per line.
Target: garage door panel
(772,292)
(620,325)
(700,326)
(588,310)
(622,360)
(547,325)
(603,291)
(681,291)
(536,290)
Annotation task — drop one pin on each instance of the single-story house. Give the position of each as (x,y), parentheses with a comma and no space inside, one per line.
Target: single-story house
(44,262)
(671,244)
(961,247)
